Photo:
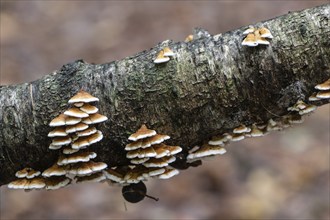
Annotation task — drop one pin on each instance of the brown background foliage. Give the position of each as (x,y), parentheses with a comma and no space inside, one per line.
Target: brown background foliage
(283,175)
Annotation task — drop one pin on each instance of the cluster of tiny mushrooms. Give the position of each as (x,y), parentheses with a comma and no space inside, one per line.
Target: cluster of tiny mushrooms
(75,130)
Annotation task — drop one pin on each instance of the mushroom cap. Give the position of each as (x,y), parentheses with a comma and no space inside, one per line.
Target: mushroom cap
(78,104)
(87,132)
(206,150)
(256,132)
(262,41)
(27,173)
(143,132)
(55,170)
(56,182)
(95,177)
(75,128)
(161,58)
(23,173)
(82,169)
(313,97)
(249,30)
(85,141)
(63,119)
(323,86)
(134,176)
(307,110)
(32,174)
(18,184)
(58,132)
(264,32)
(76,157)
(55,147)
(237,137)
(155,171)
(89,109)
(168,52)
(168,173)
(69,150)
(58,121)
(60,141)
(161,150)
(139,160)
(113,175)
(323,95)
(94,119)
(142,153)
(76,112)
(156,139)
(159,162)
(241,129)
(166,150)
(219,140)
(37,183)
(84,97)
(250,40)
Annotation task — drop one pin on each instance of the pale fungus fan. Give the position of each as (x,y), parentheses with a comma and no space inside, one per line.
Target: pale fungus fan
(189,38)
(76,112)
(83,97)
(265,33)
(255,37)
(249,30)
(168,52)
(73,130)
(323,86)
(241,129)
(28,179)
(250,40)
(161,58)
(143,132)
(323,91)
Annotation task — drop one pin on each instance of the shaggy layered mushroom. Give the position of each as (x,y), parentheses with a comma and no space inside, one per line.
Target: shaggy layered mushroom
(74,130)
(149,157)
(74,161)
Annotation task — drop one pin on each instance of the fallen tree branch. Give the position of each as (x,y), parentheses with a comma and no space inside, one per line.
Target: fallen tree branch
(213,85)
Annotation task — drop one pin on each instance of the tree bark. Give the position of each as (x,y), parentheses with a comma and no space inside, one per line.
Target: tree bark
(213,85)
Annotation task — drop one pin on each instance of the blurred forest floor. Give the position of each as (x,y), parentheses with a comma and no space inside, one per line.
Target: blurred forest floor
(282,175)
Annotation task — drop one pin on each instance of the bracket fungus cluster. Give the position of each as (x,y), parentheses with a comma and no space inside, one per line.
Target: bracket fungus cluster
(149,157)
(74,130)
(323,91)
(75,160)
(29,179)
(164,55)
(216,145)
(256,36)
(302,108)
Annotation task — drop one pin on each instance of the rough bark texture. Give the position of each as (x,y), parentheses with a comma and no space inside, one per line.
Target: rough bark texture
(212,86)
